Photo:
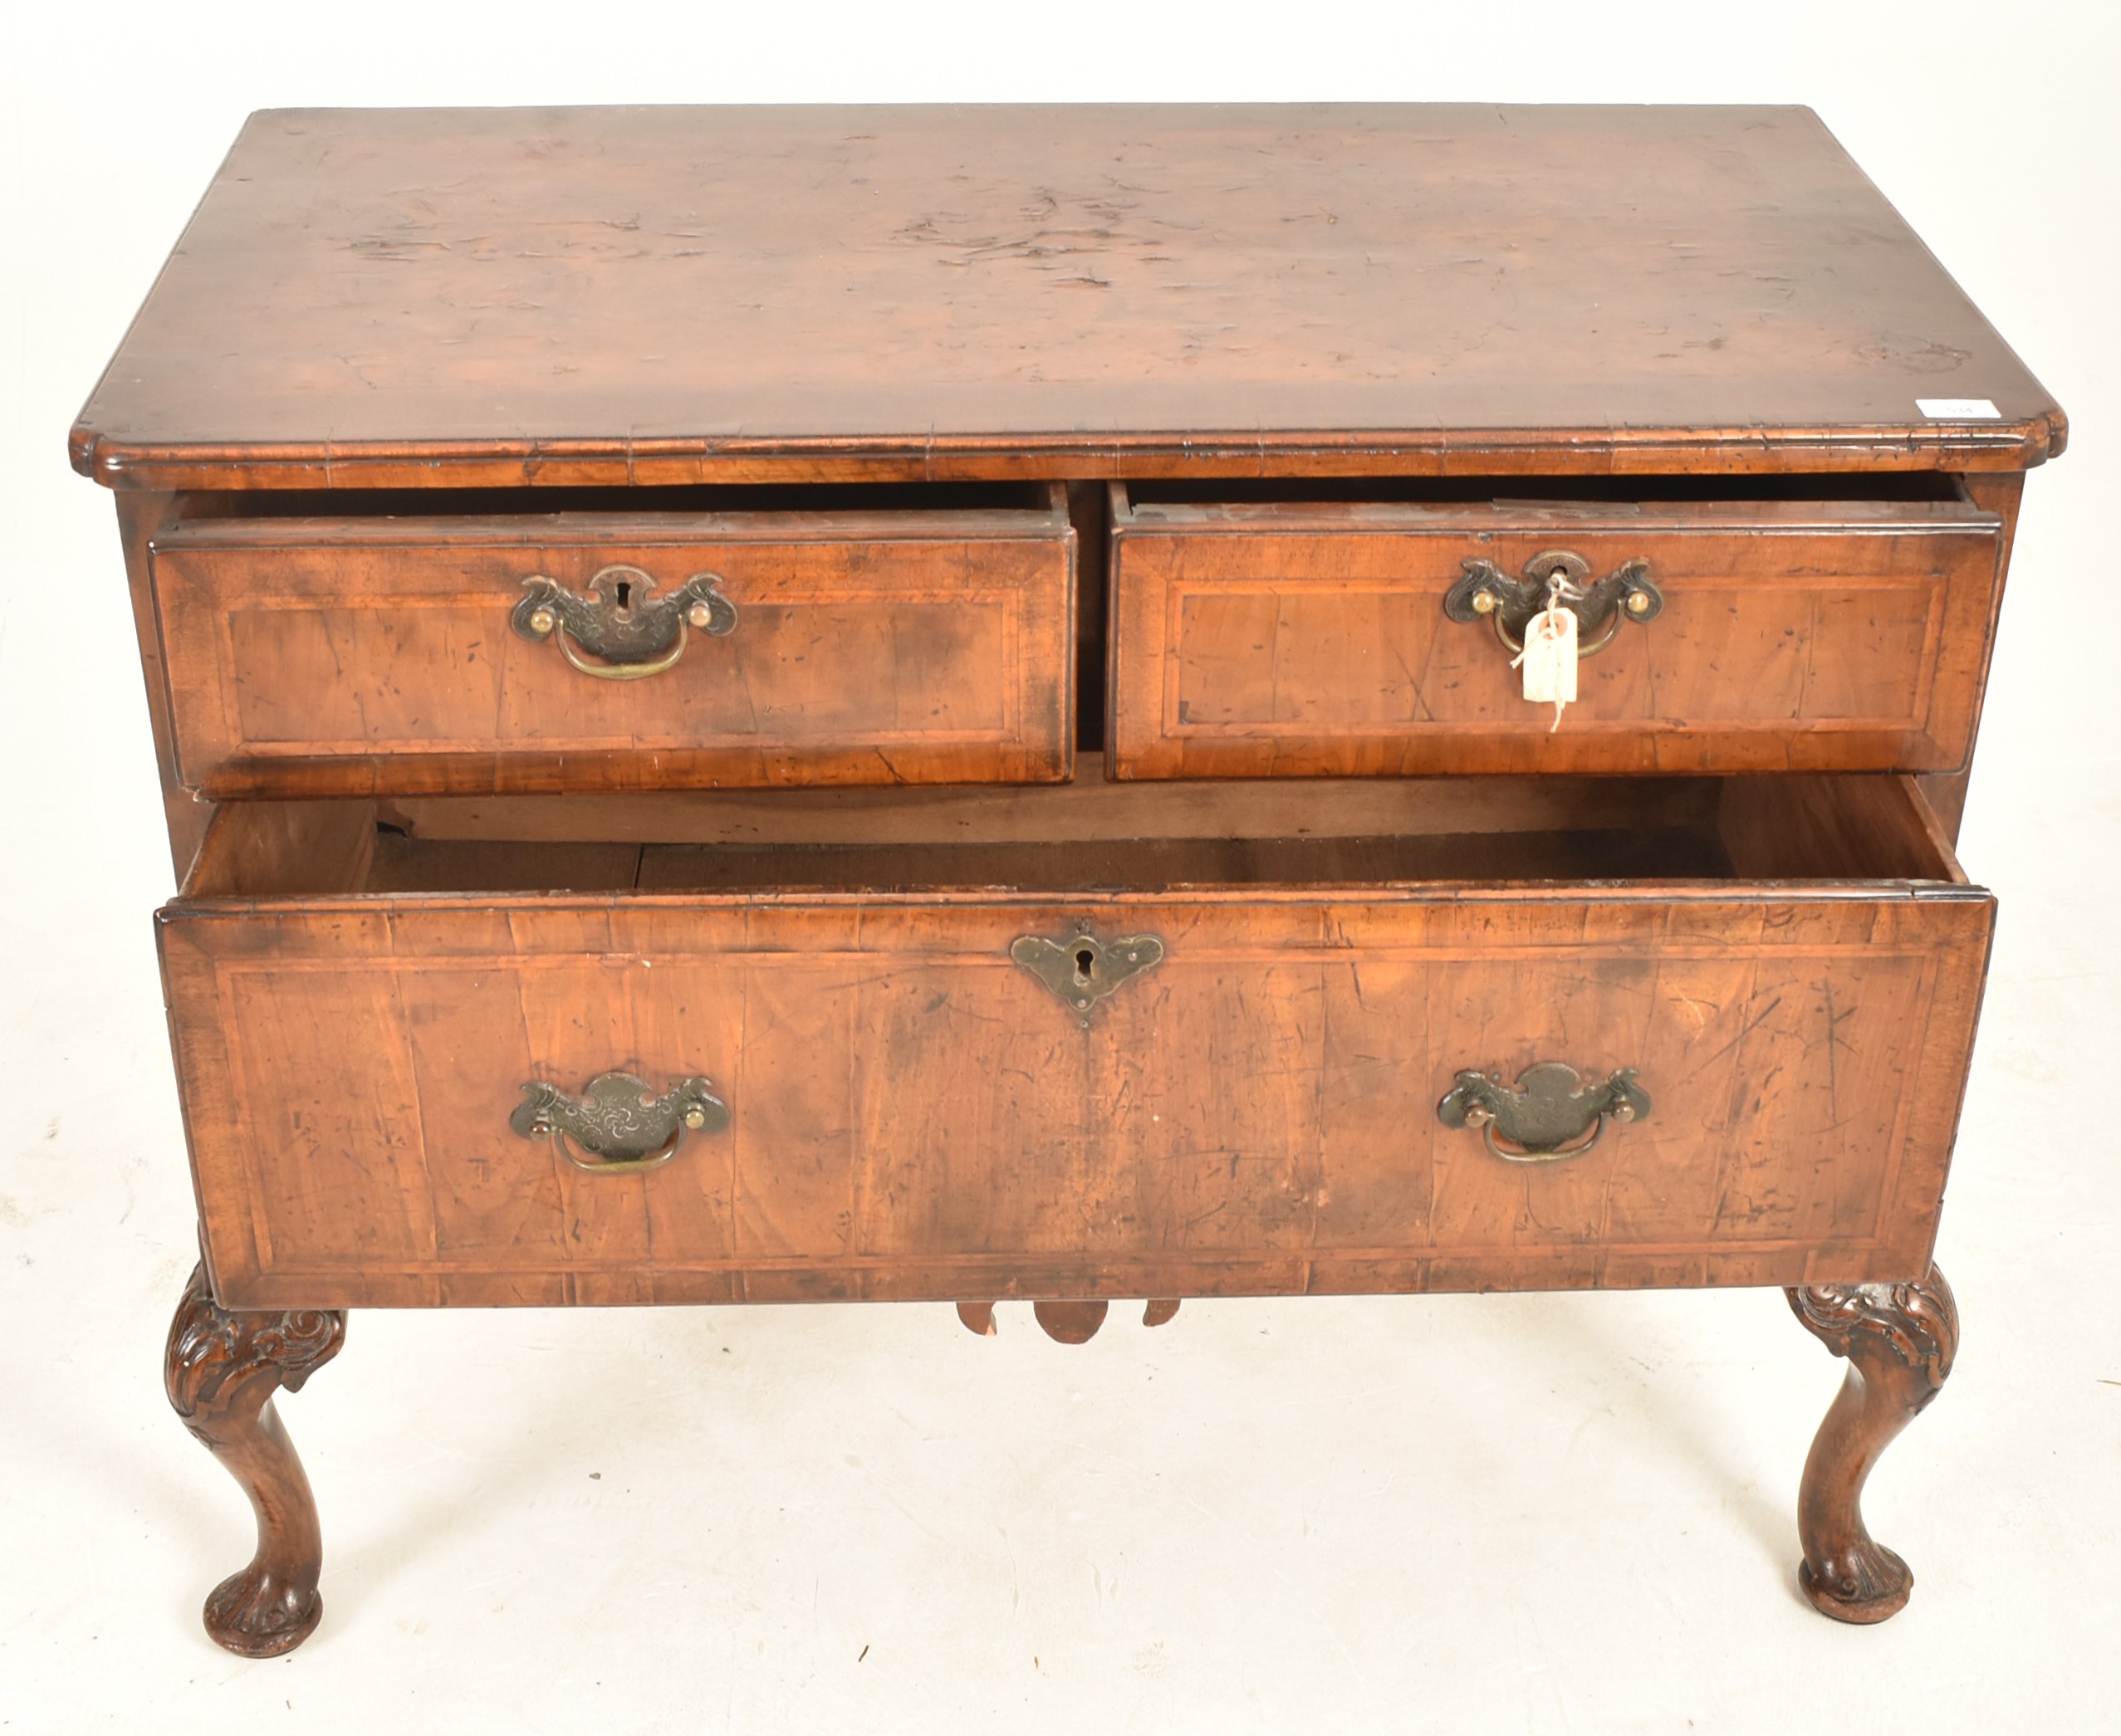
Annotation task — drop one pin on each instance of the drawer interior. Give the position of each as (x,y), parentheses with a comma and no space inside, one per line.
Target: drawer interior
(1089,836)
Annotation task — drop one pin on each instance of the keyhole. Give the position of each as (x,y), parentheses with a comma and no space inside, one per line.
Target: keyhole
(1084,958)
(624,594)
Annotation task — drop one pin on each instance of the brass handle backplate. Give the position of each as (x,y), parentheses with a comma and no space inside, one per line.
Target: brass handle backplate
(618,1121)
(1548,1115)
(627,631)
(1081,969)
(1623,594)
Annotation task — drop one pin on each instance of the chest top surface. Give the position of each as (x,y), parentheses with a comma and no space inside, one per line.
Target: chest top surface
(579,293)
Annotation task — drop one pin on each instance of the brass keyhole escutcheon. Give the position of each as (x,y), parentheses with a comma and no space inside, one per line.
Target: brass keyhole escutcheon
(1081,969)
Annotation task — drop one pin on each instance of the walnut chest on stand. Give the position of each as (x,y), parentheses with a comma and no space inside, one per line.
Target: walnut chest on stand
(919,704)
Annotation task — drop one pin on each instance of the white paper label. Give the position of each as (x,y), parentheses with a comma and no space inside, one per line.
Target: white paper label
(1549,660)
(1958,409)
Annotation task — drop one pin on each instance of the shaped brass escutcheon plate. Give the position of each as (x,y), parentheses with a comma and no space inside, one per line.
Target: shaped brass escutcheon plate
(1081,969)
(1547,1116)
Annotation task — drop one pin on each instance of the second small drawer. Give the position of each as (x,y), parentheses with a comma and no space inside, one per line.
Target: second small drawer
(471,654)
(1257,638)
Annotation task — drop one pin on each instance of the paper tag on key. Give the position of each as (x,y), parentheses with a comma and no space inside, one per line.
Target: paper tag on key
(1549,658)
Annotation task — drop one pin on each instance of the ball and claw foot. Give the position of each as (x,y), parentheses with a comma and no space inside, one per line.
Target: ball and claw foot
(220,1370)
(1899,1340)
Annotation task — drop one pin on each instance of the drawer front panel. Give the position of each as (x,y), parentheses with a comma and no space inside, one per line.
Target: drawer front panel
(1273,642)
(326,659)
(913,1114)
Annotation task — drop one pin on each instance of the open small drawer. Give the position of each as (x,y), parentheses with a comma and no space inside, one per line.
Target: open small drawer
(566,639)
(1727,624)
(1088,1039)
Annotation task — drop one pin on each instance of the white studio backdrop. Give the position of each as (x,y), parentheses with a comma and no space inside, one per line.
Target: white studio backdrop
(1535,1572)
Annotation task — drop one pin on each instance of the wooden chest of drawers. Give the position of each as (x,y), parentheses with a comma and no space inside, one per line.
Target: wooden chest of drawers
(924,705)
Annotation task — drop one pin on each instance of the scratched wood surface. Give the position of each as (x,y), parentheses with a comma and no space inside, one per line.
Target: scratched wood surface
(343,655)
(914,1115)
(637,294)
(1275,639)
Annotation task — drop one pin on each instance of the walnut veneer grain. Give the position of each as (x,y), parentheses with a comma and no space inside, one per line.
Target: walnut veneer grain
(644,294)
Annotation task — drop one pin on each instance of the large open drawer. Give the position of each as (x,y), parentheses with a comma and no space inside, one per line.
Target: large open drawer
(361,994)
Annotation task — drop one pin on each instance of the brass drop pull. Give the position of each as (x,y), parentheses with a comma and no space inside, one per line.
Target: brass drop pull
(627,630)
(1623,594)
(1081,969)
(618,1121)
(1547,1117)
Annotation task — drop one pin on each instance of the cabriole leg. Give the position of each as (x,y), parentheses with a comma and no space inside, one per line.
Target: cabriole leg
(1899,1339)
(220,1370)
